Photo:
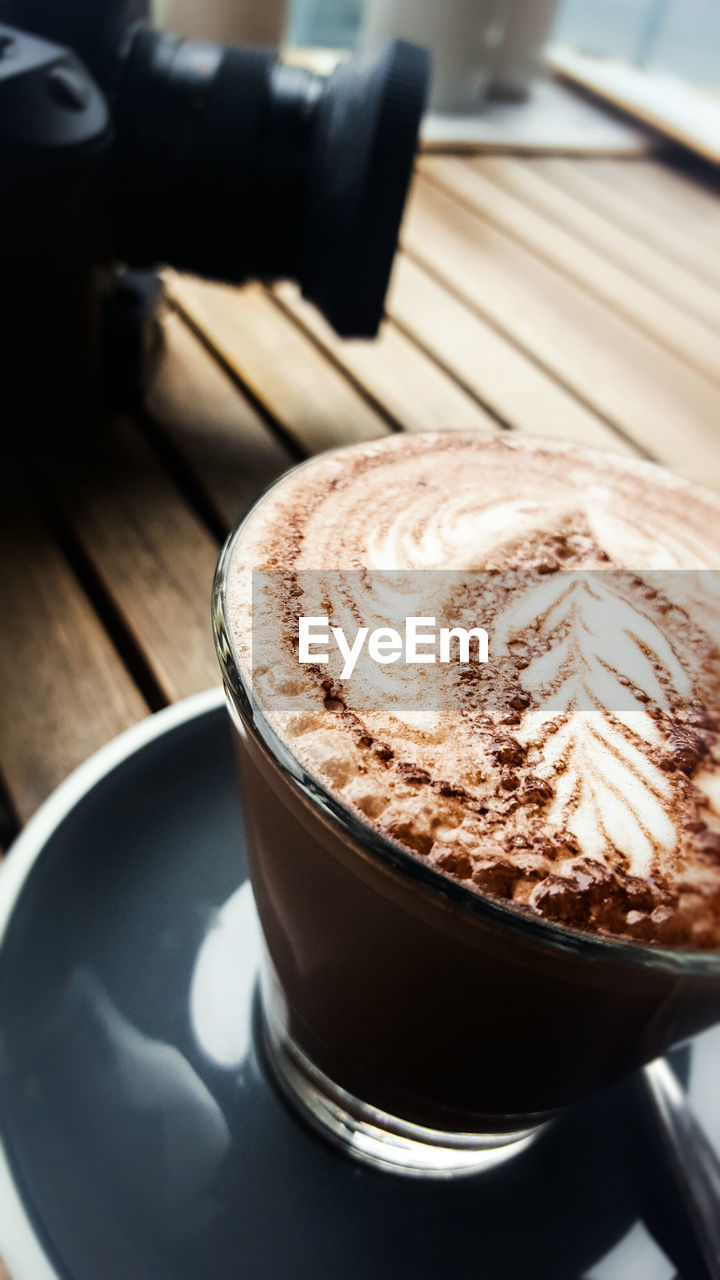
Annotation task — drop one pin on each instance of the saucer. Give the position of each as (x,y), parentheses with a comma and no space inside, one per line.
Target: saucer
(142,1136)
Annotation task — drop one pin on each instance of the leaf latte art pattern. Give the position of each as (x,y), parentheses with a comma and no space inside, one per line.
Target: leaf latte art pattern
(602,661)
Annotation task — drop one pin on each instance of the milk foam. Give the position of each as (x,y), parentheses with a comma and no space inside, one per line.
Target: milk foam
(597,812)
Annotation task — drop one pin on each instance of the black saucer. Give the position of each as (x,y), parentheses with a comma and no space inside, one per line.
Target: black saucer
(142,1137)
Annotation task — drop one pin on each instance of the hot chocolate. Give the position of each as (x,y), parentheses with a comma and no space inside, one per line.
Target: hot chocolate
(576,775)
(486,888)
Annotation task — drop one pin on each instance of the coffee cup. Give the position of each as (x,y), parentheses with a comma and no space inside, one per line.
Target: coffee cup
(424,1018)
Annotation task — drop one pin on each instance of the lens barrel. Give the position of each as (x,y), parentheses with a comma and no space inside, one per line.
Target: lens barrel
(233,165)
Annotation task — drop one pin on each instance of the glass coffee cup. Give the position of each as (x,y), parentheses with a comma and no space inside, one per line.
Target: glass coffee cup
(423,1026)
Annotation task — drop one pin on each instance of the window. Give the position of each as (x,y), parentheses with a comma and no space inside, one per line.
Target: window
(325,22)
(682,36)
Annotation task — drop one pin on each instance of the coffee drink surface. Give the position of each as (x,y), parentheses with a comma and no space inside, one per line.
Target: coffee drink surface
(593,575)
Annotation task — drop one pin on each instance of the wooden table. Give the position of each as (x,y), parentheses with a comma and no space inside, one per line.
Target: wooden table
(578,299)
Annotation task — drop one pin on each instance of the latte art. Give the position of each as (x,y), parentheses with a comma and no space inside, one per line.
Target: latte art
(578,774)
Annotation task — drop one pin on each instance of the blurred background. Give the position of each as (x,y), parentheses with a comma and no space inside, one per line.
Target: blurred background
(682,36)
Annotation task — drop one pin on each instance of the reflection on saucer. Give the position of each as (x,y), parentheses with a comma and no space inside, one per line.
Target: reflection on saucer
(145,1136)
(142,1085)
(224,979)
(636,1255)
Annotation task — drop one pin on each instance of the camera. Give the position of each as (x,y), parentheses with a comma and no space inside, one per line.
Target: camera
(124,147)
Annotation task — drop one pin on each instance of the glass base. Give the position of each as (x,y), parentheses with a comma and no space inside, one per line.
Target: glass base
(373,1136)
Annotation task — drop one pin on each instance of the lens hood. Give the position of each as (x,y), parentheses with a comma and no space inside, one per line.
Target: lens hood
(364,140)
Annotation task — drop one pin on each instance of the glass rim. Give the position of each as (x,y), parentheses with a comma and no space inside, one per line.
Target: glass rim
(391,853)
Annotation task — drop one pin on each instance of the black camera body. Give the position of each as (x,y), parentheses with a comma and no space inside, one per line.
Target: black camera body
(123,147)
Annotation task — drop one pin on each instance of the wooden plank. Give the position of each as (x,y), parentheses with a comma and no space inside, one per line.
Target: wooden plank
(664,277)
(65,690)
(676,193)
(652,397)
(227,445)
(153,556)
(585,181)
(697,345)
(514,388)
(400,378)
(674,107)
(302,391)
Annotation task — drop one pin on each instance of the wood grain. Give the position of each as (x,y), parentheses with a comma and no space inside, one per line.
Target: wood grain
(680,197)
(230,449)
(410,387)
(585,179)
(611,242)
(65,690)
(647,393)
(303,391)
(672,328)
(152,556)
(513,387)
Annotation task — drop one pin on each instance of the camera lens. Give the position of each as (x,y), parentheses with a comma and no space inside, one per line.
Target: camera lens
(235,166)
